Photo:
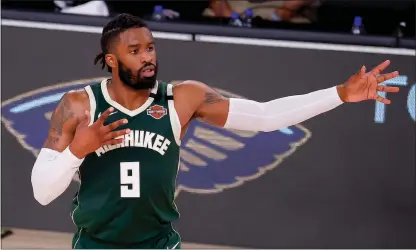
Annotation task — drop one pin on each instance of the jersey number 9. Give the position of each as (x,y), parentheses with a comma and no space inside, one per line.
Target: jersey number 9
(130,179)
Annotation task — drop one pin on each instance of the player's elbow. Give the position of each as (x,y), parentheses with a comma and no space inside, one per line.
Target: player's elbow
(52,174)
(42,198)
(40,192)
(271,125)
(271,120)
(267,126)
(266,119)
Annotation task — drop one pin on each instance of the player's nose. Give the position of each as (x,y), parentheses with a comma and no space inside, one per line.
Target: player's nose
(146,58)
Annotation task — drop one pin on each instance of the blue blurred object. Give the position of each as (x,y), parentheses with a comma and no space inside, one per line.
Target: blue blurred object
(358,27)
(158,13)
(358,21)
(249,13)
(235,20)
(248,18)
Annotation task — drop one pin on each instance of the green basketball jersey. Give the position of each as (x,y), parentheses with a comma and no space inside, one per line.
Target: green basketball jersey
(127,191)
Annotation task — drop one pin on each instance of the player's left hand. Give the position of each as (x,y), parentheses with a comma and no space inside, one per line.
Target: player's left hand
(364,86)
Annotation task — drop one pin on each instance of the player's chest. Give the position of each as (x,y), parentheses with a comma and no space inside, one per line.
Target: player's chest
(155,117)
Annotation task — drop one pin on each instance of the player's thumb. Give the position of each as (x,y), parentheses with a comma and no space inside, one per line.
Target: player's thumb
(85,119)
(362,70)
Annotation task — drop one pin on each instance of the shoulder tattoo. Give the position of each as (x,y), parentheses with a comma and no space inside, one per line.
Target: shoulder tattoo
(212,96)
(62,114)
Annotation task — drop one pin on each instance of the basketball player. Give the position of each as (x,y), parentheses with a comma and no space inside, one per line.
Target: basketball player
(122,136)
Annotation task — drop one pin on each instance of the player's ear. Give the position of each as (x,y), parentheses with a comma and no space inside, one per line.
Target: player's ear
(111,60)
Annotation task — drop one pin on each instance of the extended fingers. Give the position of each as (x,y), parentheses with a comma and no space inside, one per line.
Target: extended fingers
(383,100)
(379,68)
(104,116)
(387,89)
(114,125)
(388,76)
(116,134)
(113,141)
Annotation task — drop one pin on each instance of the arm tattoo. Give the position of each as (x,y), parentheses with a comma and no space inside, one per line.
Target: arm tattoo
(212,97)
(62,114)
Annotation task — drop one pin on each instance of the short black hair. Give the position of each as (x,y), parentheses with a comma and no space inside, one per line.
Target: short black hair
(119,24)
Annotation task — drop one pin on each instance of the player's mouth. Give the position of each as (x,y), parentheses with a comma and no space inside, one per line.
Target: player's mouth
(148,71)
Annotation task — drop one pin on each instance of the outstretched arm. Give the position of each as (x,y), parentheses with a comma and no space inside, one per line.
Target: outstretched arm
(210,106)
(235,113)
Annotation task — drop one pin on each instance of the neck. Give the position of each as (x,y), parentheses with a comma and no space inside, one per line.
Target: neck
(126,96)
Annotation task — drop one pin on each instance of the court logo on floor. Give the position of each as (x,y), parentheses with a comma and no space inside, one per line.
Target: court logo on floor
(212,159)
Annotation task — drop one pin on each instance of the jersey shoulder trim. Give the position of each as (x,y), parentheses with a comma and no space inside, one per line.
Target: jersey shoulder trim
(93,104)
(173,115)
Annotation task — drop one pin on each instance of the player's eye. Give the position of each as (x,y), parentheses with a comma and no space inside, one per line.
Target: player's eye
(134,51)
(150,49)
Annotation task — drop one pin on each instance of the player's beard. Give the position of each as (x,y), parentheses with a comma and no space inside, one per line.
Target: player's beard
(138,83)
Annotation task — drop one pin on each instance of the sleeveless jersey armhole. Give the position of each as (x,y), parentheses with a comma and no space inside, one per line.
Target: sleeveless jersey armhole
(93,106)
(173,115)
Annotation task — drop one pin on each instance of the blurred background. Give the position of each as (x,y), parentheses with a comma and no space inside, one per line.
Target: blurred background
(384,17)
(344,179)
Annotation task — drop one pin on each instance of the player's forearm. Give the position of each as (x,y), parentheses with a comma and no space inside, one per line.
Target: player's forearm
(52,174)
(280,113)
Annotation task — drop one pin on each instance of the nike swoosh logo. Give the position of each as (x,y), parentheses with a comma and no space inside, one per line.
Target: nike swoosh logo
(99,114)
(173,246)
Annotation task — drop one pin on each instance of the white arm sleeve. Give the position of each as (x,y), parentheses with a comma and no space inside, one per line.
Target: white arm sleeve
(52,174)
(280,113)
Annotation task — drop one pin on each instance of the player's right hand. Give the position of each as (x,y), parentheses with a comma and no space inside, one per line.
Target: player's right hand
(87,139)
